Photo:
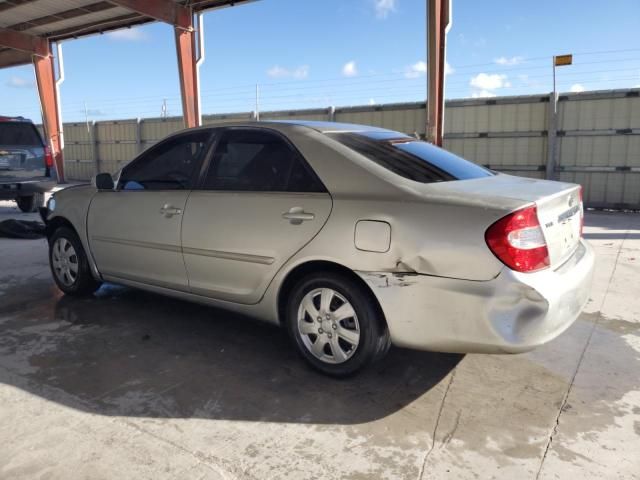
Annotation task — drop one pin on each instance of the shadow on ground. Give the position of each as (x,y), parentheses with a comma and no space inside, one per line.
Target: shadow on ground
(130,353)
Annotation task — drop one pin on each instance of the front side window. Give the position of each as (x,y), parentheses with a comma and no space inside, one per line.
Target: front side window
(258,160)
(170,165)
(411,158)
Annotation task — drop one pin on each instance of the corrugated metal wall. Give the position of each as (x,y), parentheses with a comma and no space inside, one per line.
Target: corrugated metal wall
(505,134)
(598,137)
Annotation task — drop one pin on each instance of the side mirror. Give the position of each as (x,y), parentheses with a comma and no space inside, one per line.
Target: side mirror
(103,181)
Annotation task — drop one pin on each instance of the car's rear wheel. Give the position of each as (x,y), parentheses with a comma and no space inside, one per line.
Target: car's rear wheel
(69,264)
(335,324)
(30,203)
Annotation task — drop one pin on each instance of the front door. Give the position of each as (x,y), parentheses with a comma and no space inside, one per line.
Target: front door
(259,204)
(134,231)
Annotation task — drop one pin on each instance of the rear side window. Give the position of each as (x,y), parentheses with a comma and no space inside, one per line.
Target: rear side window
(257,160)
(19,133)
(412,159)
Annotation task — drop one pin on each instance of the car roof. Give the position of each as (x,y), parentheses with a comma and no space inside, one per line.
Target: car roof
(283,125)
(328,127)
(288,126)
(4,118)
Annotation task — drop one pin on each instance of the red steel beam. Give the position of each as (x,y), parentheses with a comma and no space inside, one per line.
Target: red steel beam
(166,11)
(13,58)
(437,25)
(46,82)
(24,42)
(187,70)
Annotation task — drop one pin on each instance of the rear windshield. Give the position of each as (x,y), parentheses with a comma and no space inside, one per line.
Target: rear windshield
(410,158)
(19,133)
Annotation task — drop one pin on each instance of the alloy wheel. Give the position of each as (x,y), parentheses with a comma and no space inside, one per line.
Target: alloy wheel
(328,325)
(65,261)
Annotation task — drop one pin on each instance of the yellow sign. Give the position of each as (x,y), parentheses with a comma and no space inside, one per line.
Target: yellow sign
(560,60)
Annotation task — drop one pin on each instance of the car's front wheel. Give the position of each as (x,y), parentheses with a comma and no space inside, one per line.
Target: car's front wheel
(30,203)
(69,264)
(336,324)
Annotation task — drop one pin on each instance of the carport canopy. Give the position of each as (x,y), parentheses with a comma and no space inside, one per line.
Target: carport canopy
(29,27)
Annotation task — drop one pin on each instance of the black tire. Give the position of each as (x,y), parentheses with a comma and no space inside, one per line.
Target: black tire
(373,340)
(31,203)
(82,283)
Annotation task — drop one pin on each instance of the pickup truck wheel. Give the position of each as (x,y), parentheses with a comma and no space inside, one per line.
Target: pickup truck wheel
(69,264)
(335,324)
(30,203)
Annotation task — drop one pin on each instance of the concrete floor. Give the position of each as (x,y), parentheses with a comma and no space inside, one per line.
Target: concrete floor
(133,385)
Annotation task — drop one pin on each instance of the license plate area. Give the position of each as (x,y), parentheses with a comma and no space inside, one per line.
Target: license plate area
(569,234)
(9,161)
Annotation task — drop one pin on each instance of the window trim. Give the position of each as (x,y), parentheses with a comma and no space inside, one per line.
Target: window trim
(195,176)
(219,135)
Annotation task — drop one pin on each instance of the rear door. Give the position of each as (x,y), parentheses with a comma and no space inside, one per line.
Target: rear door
(258,204)
(134,231)
(21,152)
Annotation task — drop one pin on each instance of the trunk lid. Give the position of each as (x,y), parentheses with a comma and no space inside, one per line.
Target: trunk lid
(560,217)
(558,204)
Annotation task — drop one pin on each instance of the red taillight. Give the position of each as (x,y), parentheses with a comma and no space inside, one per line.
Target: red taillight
(581,212)
(48,157)
(518,241)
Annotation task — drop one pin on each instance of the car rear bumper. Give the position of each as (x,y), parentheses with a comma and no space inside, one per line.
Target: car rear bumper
(512,313)
(9,190)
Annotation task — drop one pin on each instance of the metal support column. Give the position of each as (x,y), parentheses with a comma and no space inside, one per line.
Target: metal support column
(47,90)
(438,21)
(552,137)
(190,50)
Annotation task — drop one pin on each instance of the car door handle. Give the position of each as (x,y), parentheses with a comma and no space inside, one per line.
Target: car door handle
(169,210)
(297,215)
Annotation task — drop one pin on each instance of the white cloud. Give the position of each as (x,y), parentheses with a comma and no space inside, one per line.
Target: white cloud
(349,69)
(298,73)
(385,7)
(372,101)
(577,88)
(19,82)
(448,69)
(485,84)
(277,72)
(493,81)
(128,34)
(301,72)
(509,61)
(483,93)
(420,68)
(94,112)
(416,70)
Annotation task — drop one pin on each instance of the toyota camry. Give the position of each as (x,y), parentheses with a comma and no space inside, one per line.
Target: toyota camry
(353,238)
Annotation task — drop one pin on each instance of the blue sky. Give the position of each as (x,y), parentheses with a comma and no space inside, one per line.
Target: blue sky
(310,53)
